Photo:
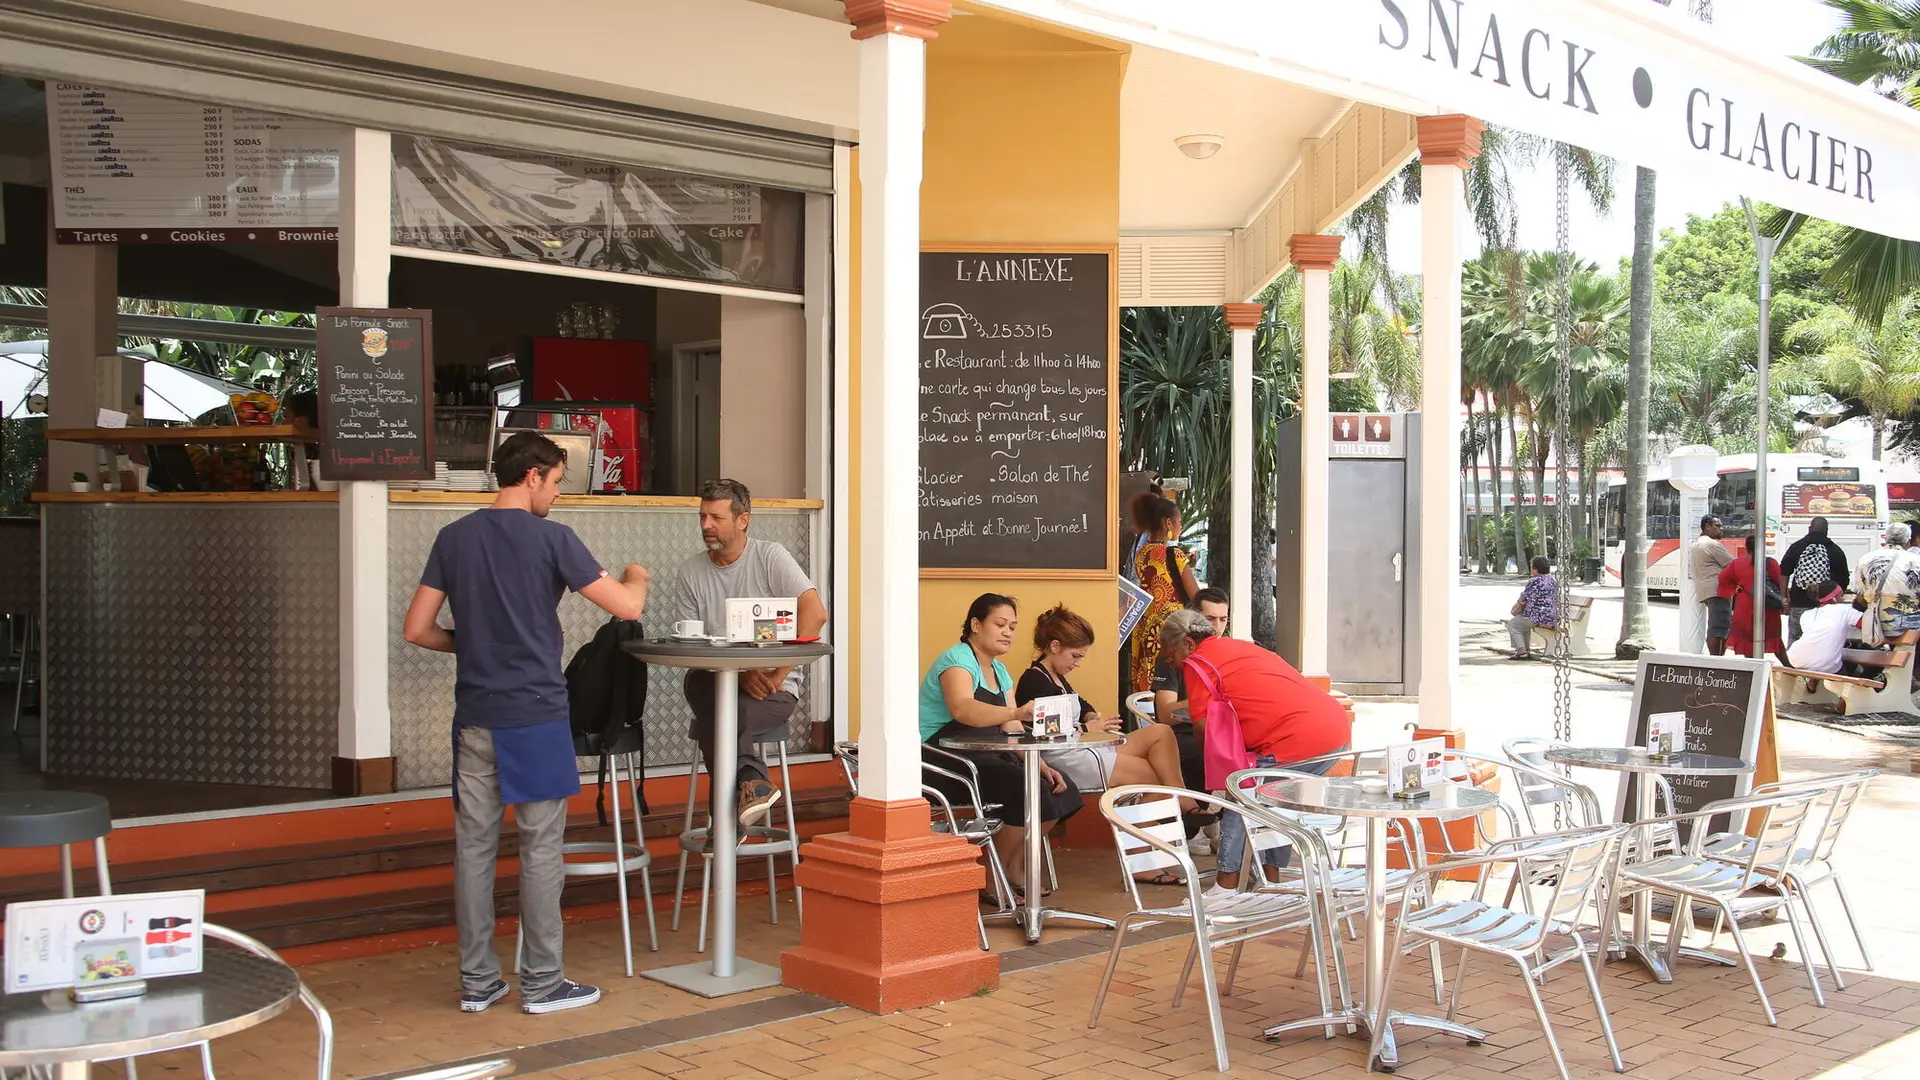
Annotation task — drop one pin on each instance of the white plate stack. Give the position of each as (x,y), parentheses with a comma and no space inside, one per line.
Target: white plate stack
(439,481)
(467,480)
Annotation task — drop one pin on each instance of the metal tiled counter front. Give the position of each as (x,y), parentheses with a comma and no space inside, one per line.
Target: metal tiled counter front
(659,537)
(199,639)
(193,640)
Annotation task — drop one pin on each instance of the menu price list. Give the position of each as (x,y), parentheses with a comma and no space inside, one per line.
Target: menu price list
(376,412)
(1015,411)
(140,167)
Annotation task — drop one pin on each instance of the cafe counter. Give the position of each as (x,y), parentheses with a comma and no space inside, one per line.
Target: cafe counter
(195,635)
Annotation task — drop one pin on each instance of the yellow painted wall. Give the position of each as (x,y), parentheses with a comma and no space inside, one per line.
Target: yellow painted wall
(1022,146)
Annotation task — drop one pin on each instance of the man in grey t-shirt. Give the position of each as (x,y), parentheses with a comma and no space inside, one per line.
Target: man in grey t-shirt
(736,566)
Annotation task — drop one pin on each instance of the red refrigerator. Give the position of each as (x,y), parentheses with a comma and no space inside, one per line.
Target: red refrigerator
(613,379)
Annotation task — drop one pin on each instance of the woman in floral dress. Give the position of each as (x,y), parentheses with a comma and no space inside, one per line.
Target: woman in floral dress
(1165,571)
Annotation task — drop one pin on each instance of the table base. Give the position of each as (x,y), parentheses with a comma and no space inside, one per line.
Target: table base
(1032,919)
(698,978)
(1357,1020)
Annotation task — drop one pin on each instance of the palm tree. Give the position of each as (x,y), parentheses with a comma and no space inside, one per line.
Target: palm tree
(1369,342)
(1597,351)
(1877,46)
(1877,365)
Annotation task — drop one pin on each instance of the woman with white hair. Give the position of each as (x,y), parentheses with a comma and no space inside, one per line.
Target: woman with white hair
(1284,719)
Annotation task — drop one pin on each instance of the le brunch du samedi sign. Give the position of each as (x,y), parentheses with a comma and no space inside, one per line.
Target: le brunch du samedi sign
(1626,78)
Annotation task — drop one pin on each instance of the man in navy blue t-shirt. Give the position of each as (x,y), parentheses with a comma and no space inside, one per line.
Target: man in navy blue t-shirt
(504,570)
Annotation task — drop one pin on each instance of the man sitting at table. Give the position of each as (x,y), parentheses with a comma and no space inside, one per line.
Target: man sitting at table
(1284,719)
(735,566)
(1823,631)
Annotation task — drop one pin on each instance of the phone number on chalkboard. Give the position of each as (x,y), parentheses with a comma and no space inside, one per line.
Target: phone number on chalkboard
(1015,330)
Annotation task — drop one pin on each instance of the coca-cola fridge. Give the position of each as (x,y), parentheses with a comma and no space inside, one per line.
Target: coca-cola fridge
(588,370)
(620,439)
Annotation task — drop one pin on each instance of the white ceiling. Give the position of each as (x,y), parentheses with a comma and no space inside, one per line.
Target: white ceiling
(1262,122)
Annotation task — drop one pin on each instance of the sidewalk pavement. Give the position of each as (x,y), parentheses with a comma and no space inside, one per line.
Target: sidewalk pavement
(396,1013)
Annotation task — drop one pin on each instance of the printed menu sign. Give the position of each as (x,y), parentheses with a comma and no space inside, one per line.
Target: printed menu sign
(1016,410)
(376,404)
(1827,500)
(136,168)
(1720,698)
(95,941)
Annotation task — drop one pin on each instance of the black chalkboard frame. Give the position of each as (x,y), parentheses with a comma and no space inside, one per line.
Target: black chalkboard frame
(425,318)
(1112,568)
(1757,716)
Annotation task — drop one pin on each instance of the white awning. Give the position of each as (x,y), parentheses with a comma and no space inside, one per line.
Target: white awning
(1624,78)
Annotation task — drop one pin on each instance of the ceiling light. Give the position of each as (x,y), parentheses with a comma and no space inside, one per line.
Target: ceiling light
(1199,147)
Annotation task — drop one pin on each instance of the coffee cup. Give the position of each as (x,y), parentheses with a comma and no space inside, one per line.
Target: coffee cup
(689,628)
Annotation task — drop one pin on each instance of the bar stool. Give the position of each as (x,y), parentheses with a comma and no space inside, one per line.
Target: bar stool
(24,665)
(59,819)
(625,857)
(753,842)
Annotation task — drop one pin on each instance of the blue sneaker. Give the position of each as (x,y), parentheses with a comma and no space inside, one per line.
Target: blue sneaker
(567,995)
(474,1001)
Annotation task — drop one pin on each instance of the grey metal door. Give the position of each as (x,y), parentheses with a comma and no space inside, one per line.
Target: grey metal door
(1366,563)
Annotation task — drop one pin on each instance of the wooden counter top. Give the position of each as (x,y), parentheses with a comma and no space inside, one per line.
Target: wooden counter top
(185,497)
(240,433)
(668,502)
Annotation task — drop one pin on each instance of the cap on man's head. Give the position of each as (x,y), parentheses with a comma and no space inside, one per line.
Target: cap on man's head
(1899,533)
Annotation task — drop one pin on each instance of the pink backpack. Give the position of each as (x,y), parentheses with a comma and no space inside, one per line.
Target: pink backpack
(1224,749)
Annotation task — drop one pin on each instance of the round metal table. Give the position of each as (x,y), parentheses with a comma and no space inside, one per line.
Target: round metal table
(1034,913)
(235,991)
(727,974)
(1634,759)
(1343,796)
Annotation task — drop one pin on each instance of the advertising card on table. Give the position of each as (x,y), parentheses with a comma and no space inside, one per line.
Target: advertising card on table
(1054,717)
(1666,734)
(97,941)
(1414,769)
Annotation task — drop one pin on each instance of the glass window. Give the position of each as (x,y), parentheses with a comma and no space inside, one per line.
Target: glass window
(1732,503)
(1663,511)
(592,215)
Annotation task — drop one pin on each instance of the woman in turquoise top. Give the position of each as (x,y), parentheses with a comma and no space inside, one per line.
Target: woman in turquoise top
(968,688)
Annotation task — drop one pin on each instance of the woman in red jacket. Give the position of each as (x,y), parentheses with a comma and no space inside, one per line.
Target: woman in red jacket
(1736,583)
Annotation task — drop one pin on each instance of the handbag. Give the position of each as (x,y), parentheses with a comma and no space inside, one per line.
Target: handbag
(1224,749)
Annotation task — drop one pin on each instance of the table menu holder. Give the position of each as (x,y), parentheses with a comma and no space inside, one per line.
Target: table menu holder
(1414,768)
(112,991)
(1666,736)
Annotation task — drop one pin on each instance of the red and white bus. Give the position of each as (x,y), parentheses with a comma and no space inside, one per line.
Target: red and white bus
(1851,495)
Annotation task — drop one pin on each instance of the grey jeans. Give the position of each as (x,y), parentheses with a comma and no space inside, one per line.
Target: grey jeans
(758,719)
(476,840)
(1520,633)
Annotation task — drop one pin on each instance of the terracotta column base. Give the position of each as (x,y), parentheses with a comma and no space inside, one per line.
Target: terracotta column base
(892,913)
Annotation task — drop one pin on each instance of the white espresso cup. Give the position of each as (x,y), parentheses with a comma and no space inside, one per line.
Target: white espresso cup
(689,628)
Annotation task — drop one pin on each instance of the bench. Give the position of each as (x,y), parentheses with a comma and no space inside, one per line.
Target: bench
(1574,622)
(1849,694)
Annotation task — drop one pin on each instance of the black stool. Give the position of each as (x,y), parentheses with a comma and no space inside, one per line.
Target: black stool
(58,819)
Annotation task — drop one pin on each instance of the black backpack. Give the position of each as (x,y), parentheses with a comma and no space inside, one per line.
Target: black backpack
(607,695)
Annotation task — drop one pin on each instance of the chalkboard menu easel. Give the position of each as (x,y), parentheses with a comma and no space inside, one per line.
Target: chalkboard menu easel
(1017,412)
(376,393)
(1724,698)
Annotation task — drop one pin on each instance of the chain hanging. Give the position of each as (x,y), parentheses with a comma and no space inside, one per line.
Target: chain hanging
(1562,440)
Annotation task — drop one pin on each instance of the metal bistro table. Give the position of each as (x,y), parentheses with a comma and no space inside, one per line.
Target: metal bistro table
(1344,796)
(1633,759)
(726,974)
(1031,916)
(235,991)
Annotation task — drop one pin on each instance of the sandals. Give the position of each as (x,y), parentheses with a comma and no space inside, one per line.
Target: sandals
(1161,877)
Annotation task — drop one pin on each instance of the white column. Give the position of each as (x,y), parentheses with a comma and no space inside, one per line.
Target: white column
(1314,256)
(893,72)
(367,623)
(1447,144)
(82,320)
(1242,320)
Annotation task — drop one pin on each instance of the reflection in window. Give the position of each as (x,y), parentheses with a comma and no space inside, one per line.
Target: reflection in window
(542,208)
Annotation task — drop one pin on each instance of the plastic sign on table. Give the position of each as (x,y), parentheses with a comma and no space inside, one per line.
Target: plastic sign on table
(98,942)
(1415,768)
(1666,734)
(1054,717)
(762,618)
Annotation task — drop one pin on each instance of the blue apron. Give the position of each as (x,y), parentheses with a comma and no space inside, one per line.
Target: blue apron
(535,763)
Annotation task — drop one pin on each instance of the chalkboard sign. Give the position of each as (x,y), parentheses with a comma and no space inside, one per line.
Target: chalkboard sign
(1724,698)
(1017,412)
(376,399)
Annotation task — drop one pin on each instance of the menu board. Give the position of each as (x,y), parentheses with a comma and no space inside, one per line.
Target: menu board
(135,168)
(1723,699)
(1828,500)
(1017,412)
(376,400)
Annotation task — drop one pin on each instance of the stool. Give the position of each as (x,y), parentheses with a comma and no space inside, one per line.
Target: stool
(59,819)
(767,842)
(24,666)
(626,858)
